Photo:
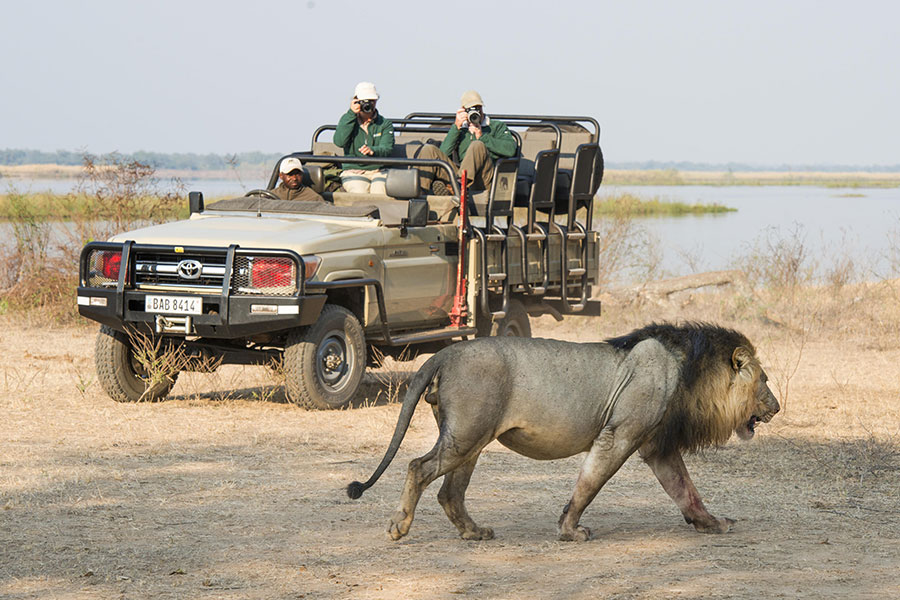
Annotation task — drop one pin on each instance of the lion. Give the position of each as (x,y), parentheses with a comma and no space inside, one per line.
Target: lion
(660,390)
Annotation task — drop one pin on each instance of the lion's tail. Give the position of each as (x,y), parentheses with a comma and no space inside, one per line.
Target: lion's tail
(416,388)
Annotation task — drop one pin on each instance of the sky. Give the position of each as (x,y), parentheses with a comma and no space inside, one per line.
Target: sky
(762,82)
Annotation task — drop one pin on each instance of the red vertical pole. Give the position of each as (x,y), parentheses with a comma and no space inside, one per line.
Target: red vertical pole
(459,313)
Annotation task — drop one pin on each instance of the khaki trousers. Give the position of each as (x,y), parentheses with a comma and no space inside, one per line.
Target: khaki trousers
(476,163)
(359,181)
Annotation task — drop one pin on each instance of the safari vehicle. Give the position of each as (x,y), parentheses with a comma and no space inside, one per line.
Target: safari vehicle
(317,287)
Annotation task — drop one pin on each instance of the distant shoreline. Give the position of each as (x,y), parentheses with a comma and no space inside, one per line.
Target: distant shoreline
(637,177)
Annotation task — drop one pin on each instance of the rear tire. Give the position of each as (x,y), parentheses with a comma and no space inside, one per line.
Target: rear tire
(120,374)
(324,363)
(514,324)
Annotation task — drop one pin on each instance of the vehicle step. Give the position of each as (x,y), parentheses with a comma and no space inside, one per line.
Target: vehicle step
(432,334)
(496,276)
(578,272)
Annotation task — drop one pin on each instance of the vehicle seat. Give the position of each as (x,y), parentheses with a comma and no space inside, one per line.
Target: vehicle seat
(314,177)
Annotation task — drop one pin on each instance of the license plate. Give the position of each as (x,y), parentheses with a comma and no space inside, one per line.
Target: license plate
(174,305)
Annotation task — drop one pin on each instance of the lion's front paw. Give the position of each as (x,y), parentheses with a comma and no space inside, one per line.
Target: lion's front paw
(579,534)
(399,525)
(479,533)
(715,526)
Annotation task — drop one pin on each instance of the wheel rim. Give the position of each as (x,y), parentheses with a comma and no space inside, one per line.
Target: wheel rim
(138,372)
(335,361)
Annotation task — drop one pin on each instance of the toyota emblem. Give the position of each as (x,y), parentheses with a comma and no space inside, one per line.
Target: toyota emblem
(189,269)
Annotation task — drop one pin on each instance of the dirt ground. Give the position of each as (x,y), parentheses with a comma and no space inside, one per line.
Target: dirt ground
(227,491)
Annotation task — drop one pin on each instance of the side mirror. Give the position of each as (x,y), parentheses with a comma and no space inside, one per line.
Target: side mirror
(195,202)
(417,212)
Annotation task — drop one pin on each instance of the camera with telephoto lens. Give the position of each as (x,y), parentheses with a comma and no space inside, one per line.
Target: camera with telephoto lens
(366,106)
(474,116)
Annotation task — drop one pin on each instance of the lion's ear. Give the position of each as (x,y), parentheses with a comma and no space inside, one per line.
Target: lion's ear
(741,360)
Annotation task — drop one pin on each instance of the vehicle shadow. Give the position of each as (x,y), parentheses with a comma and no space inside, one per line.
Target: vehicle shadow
(376,389)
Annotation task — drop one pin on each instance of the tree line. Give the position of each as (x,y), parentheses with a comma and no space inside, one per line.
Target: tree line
(157,160)
(218,162)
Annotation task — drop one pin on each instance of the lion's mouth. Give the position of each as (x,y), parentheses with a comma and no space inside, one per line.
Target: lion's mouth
(749,429)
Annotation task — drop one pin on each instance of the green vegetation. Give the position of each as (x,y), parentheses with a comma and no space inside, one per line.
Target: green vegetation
(85,206)
(633,206)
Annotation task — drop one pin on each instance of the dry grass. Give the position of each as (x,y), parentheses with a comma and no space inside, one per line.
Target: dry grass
(228,491)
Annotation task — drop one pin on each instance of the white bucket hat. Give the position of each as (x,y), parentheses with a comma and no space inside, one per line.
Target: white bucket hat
(365,90)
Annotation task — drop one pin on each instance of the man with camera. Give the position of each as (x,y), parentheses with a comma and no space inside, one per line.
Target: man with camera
(362,131)
(478,140)
(291,187)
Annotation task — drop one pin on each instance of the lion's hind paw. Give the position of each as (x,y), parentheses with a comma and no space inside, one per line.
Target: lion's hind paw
(722,525)
(479,533)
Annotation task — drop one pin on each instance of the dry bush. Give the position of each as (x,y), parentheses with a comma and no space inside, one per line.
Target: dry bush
(40,264)
(625,250)
(390,377)
(124,195)
(161,362)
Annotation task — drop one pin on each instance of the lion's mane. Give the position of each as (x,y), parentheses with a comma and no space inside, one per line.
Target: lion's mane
(710,401)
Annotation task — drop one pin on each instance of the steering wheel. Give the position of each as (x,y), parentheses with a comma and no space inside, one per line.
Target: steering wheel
(263,194)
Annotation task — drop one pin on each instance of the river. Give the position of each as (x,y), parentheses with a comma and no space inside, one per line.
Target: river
(833,224)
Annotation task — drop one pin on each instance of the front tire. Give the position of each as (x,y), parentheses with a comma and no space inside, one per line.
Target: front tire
(324,363)
(120,373)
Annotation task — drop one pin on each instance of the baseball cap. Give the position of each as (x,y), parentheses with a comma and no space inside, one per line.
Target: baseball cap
(365,90)
(470,99)
(289,164)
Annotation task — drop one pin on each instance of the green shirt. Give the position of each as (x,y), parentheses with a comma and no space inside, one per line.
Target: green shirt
(494,134)
(351,137)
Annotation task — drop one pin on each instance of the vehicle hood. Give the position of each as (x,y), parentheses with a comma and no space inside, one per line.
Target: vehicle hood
(302,235)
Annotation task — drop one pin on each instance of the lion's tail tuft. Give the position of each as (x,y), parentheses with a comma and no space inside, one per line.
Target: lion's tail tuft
(416,388)
(355,490)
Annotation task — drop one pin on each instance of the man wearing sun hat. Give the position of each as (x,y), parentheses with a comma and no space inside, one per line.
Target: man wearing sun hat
(479,142)
(362,131)
(291,187)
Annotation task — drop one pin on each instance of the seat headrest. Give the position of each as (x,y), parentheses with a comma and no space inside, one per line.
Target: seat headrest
(403,184)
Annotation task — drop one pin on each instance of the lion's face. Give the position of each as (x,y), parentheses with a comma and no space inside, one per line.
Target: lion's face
(752,381)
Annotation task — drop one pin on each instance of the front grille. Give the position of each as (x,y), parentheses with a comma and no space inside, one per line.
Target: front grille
(198,272)
(205,273)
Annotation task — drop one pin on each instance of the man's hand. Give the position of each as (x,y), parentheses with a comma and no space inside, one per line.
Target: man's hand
(476,130)
(364,149)
(354,106)
(461,118)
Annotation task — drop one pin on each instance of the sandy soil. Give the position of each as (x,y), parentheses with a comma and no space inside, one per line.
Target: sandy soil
(226,491)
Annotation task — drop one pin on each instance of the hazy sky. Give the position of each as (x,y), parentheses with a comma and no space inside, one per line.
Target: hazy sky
(760,82)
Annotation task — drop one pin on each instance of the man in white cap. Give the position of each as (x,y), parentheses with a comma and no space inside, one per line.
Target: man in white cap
(291,187)
(362,131)
(479,142)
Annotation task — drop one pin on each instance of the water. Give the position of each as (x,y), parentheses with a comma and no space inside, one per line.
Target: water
(833,224)
(211,188)
(862,225)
